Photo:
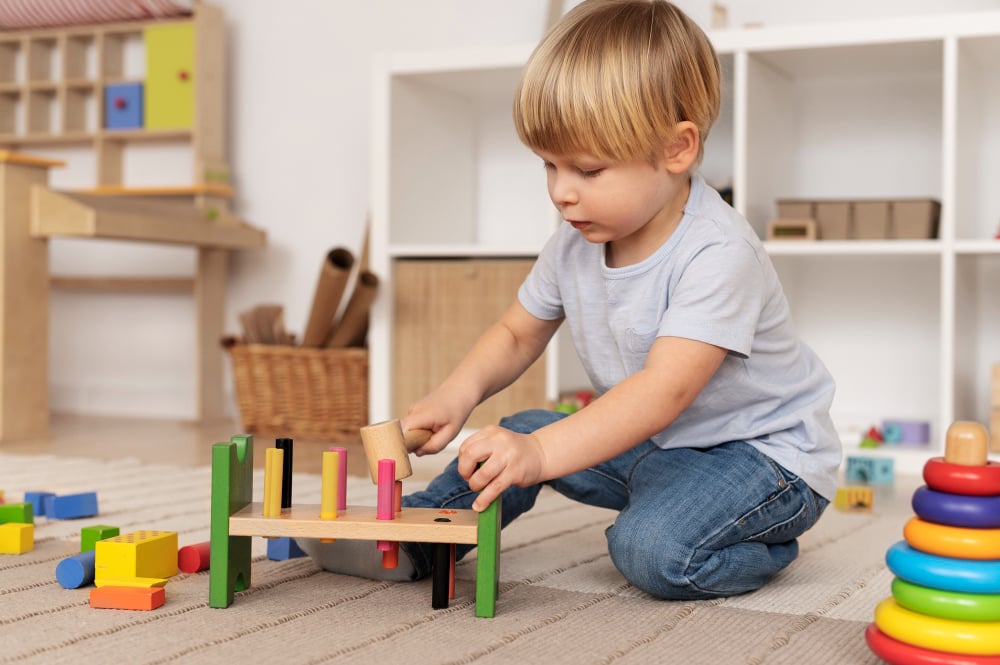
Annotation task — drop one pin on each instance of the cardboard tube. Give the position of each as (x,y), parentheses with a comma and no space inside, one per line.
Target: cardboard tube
(329,291)
(354,323)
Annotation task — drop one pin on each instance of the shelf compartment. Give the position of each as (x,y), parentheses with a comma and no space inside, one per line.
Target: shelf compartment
(454,157)
(977,167)
(80,57)
(813,112)
(42,111)
(889,307)
(976,345)
(43,59)
(11,61)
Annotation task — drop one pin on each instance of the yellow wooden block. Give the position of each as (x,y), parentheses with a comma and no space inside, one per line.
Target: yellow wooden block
(169,94)
(854,498)
(16,538)
(137,554)
(138,582)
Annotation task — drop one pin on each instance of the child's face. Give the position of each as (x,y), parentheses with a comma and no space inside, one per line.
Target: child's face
(633,204)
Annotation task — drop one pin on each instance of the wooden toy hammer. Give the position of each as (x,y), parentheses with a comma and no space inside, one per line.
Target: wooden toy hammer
(386,440)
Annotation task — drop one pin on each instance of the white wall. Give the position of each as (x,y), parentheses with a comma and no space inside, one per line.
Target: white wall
(299,152)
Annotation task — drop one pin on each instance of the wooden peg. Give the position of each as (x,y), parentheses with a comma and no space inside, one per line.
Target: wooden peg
(966,443)
(386,440)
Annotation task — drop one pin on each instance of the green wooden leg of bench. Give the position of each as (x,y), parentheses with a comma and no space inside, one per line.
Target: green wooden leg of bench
(232,489)
(488,560)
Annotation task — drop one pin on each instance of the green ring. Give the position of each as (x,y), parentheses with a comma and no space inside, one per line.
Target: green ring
(946,604)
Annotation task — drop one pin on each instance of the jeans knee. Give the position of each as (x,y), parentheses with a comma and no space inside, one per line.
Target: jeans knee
(658,567)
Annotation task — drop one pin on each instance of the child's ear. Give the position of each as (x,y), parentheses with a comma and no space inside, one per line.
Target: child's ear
(682,150)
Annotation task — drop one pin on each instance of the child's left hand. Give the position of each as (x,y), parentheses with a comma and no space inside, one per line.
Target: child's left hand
(508,458)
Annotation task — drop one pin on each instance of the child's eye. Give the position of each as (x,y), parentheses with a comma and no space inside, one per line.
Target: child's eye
(590,173)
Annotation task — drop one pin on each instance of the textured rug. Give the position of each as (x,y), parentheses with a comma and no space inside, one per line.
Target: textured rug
(561,600)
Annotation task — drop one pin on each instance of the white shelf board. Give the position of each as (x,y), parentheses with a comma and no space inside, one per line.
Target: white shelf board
(853,247)
(408,251)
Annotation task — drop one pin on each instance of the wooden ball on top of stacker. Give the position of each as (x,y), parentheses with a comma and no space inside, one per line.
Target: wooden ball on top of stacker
(966,443)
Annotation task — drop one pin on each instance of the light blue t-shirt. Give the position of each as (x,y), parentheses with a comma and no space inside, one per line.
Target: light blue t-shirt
(711,281)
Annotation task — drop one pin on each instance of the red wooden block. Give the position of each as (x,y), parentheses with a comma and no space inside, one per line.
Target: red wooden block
(127,597)
(193,558)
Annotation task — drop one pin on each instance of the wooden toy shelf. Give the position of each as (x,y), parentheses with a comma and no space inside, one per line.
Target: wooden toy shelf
(105,87)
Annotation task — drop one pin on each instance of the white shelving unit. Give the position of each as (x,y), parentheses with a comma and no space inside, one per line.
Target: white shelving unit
(881,109)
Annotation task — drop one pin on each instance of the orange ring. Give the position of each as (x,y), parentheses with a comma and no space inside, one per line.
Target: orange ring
(962,478)
(952,541)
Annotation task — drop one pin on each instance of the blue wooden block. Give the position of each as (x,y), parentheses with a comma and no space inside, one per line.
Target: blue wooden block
(875,470)
(71,506)
(37,501)
(77,571)
(280,549)
(123,106)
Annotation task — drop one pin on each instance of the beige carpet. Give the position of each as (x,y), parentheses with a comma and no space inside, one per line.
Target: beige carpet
(561,600)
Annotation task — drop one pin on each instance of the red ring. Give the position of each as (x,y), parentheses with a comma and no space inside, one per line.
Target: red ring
(962,478)
(900,653)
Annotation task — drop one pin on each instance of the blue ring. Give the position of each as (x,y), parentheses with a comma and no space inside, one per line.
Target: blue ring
(976,512)
(941,572)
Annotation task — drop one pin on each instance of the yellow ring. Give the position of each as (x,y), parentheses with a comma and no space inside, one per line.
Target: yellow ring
(980,638)
(952,541)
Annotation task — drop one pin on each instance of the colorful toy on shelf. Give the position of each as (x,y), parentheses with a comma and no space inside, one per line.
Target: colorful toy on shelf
(945,603)
(235,519)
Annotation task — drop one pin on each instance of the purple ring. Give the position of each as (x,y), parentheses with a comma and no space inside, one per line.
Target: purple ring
(976,512)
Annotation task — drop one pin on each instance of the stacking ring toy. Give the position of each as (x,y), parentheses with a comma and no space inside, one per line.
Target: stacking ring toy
(979,638)
(953,541)
(976,512)
(900,653)
(961,478)
(945,573)
(946,604)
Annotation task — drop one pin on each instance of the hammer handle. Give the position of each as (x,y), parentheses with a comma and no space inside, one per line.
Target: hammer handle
(414,438)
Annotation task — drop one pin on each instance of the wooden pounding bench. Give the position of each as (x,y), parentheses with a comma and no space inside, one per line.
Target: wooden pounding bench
(235,519)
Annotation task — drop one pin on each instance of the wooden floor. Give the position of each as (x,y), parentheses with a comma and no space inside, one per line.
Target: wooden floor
(171,442)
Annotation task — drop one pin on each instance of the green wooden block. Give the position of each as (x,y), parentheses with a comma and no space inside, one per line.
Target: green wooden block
(232,490)
(89,535)
(488,560)
(19,513)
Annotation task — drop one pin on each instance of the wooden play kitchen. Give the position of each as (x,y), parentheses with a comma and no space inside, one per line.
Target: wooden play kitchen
(72,87)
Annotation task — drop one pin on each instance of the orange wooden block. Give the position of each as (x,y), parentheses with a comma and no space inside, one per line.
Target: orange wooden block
(127,598)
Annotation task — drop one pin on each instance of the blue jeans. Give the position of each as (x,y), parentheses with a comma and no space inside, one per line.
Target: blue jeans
(692,523)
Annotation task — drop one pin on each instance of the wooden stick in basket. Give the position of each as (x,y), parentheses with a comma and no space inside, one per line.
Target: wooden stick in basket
(326,299)
(354,323)
(386,440)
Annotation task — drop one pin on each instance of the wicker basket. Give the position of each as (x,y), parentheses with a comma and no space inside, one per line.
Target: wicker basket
(319,394)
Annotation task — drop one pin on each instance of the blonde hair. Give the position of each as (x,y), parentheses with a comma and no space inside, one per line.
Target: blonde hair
(614,77)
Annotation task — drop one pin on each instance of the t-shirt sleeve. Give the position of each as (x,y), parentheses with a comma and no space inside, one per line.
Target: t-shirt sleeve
(717,297)
(539,293)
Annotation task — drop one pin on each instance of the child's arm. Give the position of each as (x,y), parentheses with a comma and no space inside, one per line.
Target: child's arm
(499,356)
(645,403)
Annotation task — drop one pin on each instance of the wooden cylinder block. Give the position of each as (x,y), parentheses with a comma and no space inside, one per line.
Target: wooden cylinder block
(966,443)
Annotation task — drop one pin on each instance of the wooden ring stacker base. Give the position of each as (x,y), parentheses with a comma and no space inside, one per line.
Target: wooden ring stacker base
(386,440)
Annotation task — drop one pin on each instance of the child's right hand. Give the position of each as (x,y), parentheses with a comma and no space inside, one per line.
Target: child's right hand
(439,414)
